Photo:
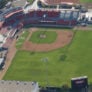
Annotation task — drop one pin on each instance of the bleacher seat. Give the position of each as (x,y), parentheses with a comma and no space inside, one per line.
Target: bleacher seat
(19,17)
(31,14)
(60,21)
(66,22)
(11,12)
(40,13)
(53,14)
(12,21)
(73,22)
(63,22)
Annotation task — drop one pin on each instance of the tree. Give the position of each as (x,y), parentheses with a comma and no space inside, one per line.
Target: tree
(3,2)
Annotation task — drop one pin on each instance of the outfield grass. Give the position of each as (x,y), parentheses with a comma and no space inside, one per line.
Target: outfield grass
(77,62)
(50,36)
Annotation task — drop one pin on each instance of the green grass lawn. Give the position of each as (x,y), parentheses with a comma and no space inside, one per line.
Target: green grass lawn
(30,1)
(48,36)
(22,39)
(57,70)
(86,1)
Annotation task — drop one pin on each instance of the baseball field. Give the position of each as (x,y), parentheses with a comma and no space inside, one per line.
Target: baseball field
(52,56)
(54,67)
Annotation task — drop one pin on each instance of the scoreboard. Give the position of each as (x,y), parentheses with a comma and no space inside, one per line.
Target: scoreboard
(79,82)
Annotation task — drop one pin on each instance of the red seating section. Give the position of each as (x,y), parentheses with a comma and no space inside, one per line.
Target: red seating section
(73,22)
(63,22)
(40,13)
(53,13)
(30,22)
(11,21)
(60,21)
(67,22)
(19,17)
(36,16)
(31,14)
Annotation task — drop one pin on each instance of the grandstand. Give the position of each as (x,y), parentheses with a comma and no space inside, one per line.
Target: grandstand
(9,24)
(39,17)
(11,12)
(63,18)
(59,18)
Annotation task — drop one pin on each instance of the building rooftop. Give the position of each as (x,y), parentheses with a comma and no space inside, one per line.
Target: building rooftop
(51,2)
(19,3)
(18,86)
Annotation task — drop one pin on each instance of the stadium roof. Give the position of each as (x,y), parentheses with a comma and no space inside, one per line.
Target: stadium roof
(1,38)
(1,60)
(51,2)
(89,14)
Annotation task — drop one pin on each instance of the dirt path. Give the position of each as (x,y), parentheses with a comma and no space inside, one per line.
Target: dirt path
(30,31)
(83,28)
(10,55)
(63,38)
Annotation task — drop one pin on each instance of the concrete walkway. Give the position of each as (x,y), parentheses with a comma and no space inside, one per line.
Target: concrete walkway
(9,58)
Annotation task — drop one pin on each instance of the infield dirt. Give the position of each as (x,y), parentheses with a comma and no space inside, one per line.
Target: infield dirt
(63,38)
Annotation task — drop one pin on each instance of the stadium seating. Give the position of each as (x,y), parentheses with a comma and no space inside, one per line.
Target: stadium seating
(52,14)
(1,24)
(55,17)
(11,21)
(19,17)
(5,24)
(60,21)
(31,14)
(11,11)
(63,22)
(73,22)
(30,22)
(40,13)
(66,22)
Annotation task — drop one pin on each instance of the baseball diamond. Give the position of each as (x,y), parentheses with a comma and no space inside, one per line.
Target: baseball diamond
(47,41)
